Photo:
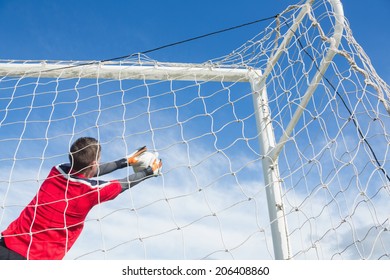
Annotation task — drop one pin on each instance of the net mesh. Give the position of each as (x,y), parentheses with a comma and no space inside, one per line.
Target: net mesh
(210,202)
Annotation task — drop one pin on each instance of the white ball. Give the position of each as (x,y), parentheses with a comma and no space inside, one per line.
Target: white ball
(145,160)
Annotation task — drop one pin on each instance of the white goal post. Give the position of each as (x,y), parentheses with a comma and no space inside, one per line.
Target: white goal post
(187,72)
(301,101)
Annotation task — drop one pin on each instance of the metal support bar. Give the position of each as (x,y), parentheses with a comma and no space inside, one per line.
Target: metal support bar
(334,43)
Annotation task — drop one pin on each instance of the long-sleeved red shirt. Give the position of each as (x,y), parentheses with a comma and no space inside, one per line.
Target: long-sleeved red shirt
(51,223)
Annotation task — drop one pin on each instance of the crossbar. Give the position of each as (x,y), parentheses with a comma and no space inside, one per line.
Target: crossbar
(174,71)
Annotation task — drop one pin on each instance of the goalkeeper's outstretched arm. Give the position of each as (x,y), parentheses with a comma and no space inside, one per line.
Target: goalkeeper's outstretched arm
(129,181)
(134,179)
(109,167)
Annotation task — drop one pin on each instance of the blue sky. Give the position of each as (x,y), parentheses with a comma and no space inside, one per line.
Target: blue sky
(100,30)
(97,30)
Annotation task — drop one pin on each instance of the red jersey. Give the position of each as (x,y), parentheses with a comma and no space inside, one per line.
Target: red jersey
(50,224)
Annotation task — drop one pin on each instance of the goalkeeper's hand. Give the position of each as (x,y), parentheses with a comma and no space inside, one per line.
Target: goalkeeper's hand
(133,158)
(156,166)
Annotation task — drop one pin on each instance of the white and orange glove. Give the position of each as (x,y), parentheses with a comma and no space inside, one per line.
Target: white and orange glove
(148,160)
(132,159)
(156,167)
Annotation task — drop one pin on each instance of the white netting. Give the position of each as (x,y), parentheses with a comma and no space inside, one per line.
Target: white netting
(211,200)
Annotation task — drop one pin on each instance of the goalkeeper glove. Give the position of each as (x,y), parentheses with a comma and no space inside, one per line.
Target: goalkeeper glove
(156,167)
(133,158)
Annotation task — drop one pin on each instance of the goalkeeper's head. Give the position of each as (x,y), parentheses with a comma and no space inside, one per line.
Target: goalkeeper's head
(84,156)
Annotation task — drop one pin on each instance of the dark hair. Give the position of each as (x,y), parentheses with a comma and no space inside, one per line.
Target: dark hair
(83,152)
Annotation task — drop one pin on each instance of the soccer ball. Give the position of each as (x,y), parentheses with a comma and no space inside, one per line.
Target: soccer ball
(145,160)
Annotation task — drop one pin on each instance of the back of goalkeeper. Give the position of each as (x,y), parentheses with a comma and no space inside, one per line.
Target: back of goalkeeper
(51,223)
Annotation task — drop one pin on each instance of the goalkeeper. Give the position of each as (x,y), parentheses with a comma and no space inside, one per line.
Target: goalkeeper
(48,227)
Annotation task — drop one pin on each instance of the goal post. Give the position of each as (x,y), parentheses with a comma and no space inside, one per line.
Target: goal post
(270,168)
(278,150)
(186,72)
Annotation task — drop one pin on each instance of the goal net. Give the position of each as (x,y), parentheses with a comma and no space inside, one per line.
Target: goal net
(279,149)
